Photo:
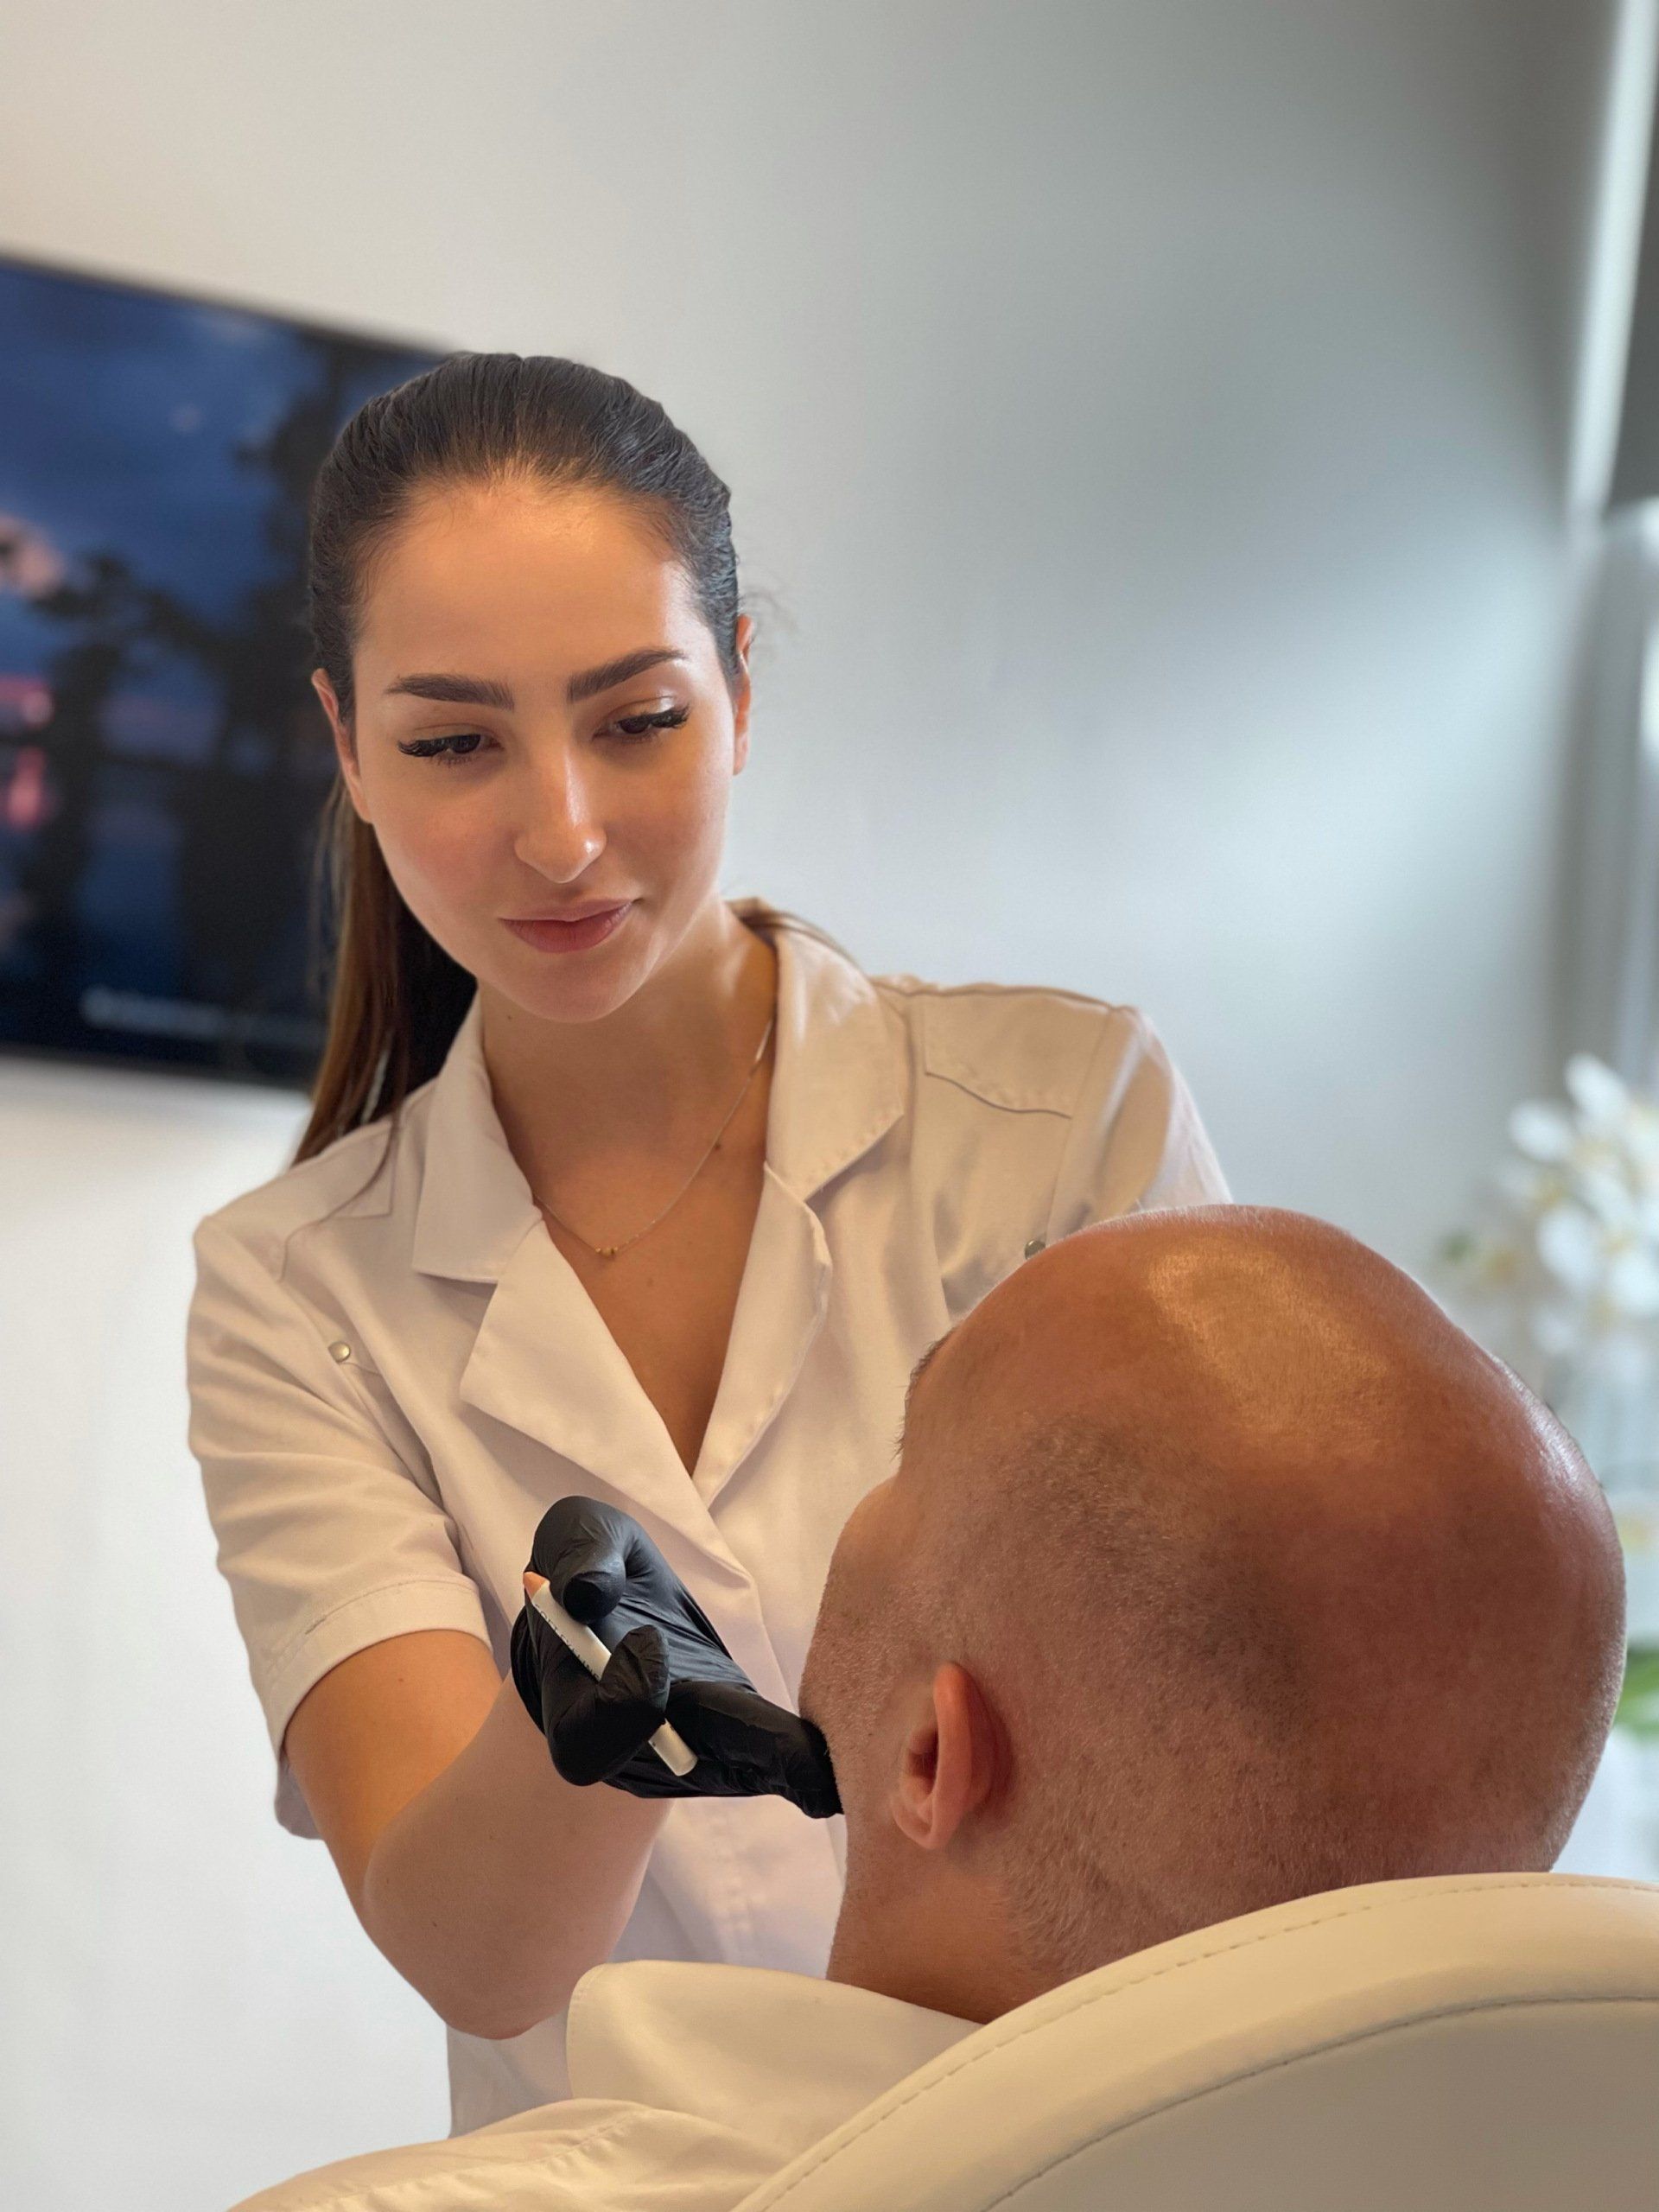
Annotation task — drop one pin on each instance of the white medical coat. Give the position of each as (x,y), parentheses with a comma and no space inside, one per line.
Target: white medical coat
(690,2086)
(393,1374)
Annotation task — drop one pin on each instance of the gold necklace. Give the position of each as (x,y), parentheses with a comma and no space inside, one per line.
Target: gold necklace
(610,1251)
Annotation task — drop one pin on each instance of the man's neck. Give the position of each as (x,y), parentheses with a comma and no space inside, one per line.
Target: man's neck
(950,1955)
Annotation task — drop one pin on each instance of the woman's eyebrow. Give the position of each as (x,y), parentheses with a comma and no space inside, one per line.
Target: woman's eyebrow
(485,691)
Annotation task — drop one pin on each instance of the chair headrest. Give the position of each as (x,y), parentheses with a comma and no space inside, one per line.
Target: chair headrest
(1363,2002)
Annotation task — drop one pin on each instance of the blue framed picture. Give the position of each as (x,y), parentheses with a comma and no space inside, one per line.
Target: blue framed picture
(163,760)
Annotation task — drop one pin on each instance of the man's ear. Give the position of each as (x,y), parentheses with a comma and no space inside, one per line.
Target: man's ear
(954,1758)
(345,749)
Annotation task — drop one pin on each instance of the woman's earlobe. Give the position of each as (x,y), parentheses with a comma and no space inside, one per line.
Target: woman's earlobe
(740,706)
(345,747)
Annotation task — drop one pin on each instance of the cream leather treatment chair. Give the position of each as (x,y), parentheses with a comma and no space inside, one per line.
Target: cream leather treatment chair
(1465,2043)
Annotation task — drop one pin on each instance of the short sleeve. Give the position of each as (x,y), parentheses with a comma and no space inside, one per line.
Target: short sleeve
(1136,1142)
(329,1540)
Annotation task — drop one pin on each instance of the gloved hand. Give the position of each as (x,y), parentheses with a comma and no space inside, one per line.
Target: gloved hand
(667,1663)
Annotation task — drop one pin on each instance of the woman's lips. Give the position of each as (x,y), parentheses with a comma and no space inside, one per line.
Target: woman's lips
(571,936)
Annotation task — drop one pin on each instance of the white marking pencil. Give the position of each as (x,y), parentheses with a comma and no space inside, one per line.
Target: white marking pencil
(667,1742)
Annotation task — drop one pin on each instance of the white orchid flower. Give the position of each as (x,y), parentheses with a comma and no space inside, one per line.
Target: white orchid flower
(1577,1264)
(1530,1187)
(1570,1246)
(1543,1131)
(1632,1287)
(1603,1099)
(1611,1136)
(1610,1109)
(1609,1265)
(1616,1199)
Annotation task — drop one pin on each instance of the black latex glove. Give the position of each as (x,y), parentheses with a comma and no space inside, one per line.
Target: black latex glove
(667,1663)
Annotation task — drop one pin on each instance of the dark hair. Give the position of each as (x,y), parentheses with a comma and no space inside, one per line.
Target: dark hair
(397,998)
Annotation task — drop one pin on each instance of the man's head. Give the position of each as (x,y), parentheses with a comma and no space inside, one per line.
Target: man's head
(1220,1568)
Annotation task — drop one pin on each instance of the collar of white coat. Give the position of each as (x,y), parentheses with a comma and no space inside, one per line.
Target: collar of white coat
(838,1083)
(782,2057)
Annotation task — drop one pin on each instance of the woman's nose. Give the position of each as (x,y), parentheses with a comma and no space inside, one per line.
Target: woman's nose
(558,830)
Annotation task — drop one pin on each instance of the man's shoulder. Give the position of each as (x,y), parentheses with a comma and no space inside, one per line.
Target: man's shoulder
(1025,1047)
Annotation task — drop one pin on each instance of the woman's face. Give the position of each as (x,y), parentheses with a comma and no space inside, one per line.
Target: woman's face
(509,771)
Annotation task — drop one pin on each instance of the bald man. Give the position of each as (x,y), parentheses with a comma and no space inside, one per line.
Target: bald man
(1220,1568)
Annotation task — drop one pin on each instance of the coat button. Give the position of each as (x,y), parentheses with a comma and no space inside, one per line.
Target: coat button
(340,1349)
(1036,1245)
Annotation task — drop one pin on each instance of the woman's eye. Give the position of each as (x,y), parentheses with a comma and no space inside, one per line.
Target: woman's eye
(634,726)
(634,730)
(437,748)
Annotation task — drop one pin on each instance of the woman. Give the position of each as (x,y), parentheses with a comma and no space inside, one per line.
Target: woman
(613,1187)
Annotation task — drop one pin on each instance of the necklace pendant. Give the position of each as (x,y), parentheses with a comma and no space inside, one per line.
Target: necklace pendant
(610,1251)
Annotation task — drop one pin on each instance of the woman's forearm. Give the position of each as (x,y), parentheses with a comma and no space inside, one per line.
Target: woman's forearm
(495,1888)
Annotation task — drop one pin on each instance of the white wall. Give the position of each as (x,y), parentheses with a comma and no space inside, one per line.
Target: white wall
(190,2009)
(1150,422)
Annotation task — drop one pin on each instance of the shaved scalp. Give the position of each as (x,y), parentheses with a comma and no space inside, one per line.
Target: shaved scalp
(1277,1581)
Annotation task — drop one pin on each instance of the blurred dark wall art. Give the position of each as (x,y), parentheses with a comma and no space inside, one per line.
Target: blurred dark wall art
(164,761)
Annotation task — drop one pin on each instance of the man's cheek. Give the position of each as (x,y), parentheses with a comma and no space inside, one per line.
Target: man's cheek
(829,1691)
(810,1701)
